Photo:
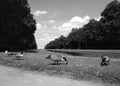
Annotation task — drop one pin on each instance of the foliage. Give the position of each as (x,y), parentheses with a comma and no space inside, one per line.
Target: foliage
(59,43)
(17,25)
(102,34)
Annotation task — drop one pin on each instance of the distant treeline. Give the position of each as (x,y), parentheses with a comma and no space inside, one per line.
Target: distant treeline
(102,34)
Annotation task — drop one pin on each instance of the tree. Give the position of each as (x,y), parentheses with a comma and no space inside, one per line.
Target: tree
(17,25)
(92,34)
(59,43)
(112,11)
(102,34)
(111,22)
(75,38)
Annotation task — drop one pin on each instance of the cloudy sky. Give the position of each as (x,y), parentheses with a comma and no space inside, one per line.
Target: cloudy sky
(57,17)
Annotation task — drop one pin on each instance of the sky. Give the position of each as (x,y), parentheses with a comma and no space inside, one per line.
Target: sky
(57,17)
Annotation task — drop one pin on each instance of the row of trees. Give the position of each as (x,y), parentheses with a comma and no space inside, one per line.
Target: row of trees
(102,34)
(17,25)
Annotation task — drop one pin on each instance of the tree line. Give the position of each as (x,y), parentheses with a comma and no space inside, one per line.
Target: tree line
(102,34)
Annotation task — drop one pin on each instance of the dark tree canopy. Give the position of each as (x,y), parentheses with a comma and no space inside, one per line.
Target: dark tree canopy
(102,34)
(17,25)
(112,11)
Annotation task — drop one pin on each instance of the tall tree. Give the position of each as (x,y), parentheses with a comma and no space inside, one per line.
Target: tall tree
(17,25)
(92,34)
(111,21)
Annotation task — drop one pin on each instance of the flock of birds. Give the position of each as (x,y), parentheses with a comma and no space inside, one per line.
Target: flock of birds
(18,55)
(57,59)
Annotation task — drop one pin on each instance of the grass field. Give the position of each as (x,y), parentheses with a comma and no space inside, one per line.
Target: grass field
(81,64)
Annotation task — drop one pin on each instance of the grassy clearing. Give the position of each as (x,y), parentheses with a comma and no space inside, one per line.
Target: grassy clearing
(79,67)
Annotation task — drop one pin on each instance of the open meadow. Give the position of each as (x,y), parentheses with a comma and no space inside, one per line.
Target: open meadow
(82,64)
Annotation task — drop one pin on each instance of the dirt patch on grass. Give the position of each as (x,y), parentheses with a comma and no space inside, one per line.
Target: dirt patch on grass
(15,77)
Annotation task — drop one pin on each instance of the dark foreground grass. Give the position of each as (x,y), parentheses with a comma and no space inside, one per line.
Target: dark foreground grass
(78,67)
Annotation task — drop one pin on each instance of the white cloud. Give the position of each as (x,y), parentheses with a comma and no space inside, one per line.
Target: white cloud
(51,38)
(39,26)
(47,37)
(79,19)
(38,12)
(53,15)
(75,22)
(46,34)
(51,21)
(97,19)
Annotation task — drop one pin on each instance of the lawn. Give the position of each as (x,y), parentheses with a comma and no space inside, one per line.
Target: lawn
(84,65)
